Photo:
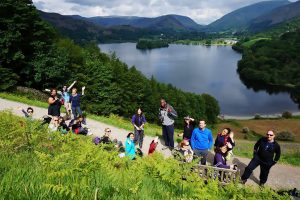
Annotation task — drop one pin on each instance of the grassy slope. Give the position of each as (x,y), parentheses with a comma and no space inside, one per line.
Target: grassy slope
(72,167)
(244,148)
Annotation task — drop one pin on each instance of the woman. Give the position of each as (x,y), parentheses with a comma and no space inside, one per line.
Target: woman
(54,104)
(220,161)
(138,121)
(63,128)
(75,102)
(186,151)
(189,125)
(129,146)
(66,98)
(225,140)
(54,124)
(76,125)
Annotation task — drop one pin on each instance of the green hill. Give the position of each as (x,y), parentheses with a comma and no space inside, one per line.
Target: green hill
(33,55)
(239,19)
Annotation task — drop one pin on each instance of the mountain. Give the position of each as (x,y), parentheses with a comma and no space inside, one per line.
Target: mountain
(241,18)
(77,29)
(165,22)
(277,16)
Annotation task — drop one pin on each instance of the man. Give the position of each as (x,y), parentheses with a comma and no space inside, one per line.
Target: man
(202,141)
(167,114)
(75,102)
(264,151)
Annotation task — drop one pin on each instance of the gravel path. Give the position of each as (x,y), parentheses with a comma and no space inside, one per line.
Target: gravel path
(281,176)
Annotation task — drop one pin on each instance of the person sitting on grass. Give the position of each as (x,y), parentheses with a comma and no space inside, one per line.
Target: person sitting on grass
(130,150)
(54,124)
(28,113)
(186,150)
(76,126)
(63,128)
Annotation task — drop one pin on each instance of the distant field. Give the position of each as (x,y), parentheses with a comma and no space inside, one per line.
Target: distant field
(261,126)
(251,42)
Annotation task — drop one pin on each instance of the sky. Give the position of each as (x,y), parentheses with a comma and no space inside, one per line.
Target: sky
(201,11)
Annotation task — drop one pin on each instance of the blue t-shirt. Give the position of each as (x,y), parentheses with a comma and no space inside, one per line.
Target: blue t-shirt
(75,100)
(66,96)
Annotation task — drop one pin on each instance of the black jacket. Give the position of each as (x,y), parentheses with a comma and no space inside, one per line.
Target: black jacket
(266,150)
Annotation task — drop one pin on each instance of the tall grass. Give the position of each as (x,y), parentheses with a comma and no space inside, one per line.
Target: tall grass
(55,166)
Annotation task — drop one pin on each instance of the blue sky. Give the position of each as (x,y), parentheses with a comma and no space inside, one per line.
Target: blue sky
(202,11)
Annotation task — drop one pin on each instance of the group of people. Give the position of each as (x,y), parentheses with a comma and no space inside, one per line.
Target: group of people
(197,141)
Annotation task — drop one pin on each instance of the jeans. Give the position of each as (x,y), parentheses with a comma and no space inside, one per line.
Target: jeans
(203,153)
(264,169)
(76,111)
(168,134)
(139,137)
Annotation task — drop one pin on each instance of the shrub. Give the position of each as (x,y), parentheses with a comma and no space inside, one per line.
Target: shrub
(245,130)
(285,136)
(257,116)
(286,115)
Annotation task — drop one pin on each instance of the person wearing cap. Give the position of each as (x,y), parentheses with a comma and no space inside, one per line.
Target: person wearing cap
(189,125)
(266,154)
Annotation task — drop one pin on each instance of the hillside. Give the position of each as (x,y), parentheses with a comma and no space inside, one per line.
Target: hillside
(239,19)
(276,16)
(166,22)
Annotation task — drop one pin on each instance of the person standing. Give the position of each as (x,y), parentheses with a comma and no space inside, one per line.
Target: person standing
(167,114)
(138,121)
(54,104)
(75,102)
(66,98)
(202,141)
(263,155)
(189,125)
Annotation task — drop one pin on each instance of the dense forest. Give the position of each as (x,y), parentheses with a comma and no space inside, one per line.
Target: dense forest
(33,55)
(273,62)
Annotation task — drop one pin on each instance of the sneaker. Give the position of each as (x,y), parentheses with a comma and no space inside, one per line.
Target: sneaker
(243,181)
(164,148)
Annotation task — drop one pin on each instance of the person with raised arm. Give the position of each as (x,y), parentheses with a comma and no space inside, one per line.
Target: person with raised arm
(75,102)
(167,114)
(66,97)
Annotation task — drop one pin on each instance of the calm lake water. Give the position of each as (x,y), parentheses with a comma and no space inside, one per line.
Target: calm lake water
(202,69)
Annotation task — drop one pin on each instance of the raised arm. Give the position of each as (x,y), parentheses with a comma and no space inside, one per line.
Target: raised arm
(172,111)
(82,90)
(69,88)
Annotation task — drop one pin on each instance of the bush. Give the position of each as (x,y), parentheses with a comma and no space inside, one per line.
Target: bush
(286,115)
(257,116)
(245,130)
(285,136)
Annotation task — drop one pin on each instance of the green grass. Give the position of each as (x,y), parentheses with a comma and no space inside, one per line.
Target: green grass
(290,153)
(54,166)
(253,41)
(113,120)
(23,99)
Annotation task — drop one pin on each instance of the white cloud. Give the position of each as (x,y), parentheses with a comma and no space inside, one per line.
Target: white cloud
(202,11)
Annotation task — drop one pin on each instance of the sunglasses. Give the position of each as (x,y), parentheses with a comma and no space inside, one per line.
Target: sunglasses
(30,111)
(270,135)
(108,131)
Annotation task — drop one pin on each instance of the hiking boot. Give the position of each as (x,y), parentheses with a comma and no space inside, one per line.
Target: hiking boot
(261,185)
(244,181)
(164,148)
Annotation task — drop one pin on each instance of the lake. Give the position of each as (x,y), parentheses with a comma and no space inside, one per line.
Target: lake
(203,69)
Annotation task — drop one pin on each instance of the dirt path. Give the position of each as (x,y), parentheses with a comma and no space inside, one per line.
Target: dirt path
(281,176)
